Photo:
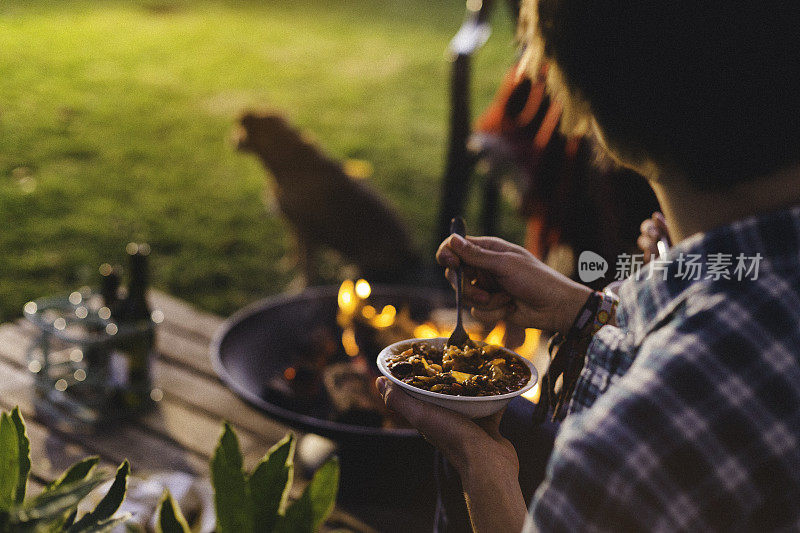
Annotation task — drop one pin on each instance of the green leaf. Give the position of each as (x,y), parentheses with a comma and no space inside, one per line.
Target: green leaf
(9,462)
(315,504)
(70,518)
(298,519)
(108,504)
(76,472)
(58,525)
(170,518)
(108,525)
(270,483)
(54,504)
(232,502)
(24,458)
(323,489)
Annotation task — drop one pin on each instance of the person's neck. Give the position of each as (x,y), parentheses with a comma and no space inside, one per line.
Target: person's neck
(689,210)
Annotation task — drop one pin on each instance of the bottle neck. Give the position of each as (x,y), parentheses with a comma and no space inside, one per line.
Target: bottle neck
(137,308)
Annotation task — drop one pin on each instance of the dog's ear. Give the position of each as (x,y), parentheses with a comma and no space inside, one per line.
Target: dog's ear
(247,119)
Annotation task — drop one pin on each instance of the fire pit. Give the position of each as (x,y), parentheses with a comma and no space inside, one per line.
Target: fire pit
(308,360)
(262,351)
(274,354)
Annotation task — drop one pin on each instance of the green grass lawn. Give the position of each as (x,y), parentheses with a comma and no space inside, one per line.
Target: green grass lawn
(115,119)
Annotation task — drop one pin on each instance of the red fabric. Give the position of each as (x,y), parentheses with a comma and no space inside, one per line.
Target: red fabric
(566,197)
(525,117)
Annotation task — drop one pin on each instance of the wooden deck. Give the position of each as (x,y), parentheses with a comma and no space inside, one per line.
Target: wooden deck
(179,435)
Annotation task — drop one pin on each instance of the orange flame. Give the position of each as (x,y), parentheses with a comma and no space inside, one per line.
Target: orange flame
(385,318)
(362,288)
(528,351)
(347,300)
(496,335)
(533,394)
(349,342)
(427,330)
(531,344)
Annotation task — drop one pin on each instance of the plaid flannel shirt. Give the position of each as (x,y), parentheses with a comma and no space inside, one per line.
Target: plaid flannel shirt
(687,415)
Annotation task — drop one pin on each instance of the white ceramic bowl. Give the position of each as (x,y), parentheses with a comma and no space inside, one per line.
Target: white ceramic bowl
(470,406)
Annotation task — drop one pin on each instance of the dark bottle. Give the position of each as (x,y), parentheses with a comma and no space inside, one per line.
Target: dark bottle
(134,313)
(136,307)
(97,356)
(109,287)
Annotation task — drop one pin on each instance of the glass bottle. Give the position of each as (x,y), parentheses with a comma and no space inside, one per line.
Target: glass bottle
(135,314)
(97,356)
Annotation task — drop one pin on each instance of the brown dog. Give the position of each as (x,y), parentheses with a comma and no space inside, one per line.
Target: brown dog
(325,206)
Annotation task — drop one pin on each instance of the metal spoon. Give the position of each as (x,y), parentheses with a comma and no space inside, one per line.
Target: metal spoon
(459,336)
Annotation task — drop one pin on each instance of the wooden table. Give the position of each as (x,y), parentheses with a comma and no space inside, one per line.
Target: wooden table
(179,435)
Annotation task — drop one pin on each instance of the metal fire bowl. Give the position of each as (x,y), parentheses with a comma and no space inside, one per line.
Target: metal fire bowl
(387,475)
(257,343)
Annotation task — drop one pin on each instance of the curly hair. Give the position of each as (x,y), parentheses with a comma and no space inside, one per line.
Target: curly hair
(709,90)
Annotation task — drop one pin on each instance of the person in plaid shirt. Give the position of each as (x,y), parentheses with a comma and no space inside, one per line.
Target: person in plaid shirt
(686,413)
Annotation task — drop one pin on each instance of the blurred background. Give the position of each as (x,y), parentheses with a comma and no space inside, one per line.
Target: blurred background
(116,119)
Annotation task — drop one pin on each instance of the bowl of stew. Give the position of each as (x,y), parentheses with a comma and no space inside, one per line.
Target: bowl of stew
(476,380)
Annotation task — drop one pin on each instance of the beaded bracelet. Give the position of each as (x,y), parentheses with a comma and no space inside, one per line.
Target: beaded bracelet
(568,353)
(606,312)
